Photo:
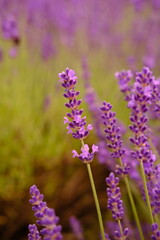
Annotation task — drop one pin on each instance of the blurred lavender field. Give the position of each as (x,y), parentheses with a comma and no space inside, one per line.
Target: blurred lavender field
(39,39)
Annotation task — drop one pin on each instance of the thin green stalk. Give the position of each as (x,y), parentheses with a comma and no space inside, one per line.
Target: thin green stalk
(146,192)
(96,201)
(157,220)
(132,204)
(95,198)
(120,228)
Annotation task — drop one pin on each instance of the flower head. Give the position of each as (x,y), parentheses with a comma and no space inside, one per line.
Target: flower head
(77,125)
(85,155)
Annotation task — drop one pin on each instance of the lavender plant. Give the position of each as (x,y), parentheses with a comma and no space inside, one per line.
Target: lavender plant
(77,127)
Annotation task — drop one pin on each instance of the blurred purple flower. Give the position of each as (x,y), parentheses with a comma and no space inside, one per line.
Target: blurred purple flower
(124,78)
(76,228)
(10,29)
(13,52)
(33,233)
(48,48)
(46,216)
(155,232)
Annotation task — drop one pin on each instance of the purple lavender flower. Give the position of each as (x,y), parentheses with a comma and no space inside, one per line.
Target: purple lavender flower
(76,123)
(115,204)
(125,78)
(85,155)
(141,98)
(33,233)
(122,236)
(156,232)
(114,197)
(46,216)
(10,29)
(113,136)
(76,228)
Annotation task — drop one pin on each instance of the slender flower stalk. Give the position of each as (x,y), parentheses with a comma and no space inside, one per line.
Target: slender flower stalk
(146,192)
(79,129)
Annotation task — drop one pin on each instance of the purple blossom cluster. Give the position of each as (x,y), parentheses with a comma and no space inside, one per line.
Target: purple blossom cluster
(113,137)
(155,232)
(115,203)
(143,99)
(114,197)
(46,218)
(85,155)
(77,125)
(124,81)
(33,232)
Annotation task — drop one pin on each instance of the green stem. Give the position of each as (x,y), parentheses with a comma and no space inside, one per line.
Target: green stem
(96,201)
(157,220)
(120,228)
(133,208)
(146,191)
(95,198)
(132,204)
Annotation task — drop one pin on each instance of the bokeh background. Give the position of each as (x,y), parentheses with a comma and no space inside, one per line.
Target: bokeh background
(38,40)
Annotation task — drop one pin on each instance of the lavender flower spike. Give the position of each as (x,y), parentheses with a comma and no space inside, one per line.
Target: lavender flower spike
(76,123)
(46,216)
(113,137)
(33,233)
(114,195)
(77,127)
(115,204)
